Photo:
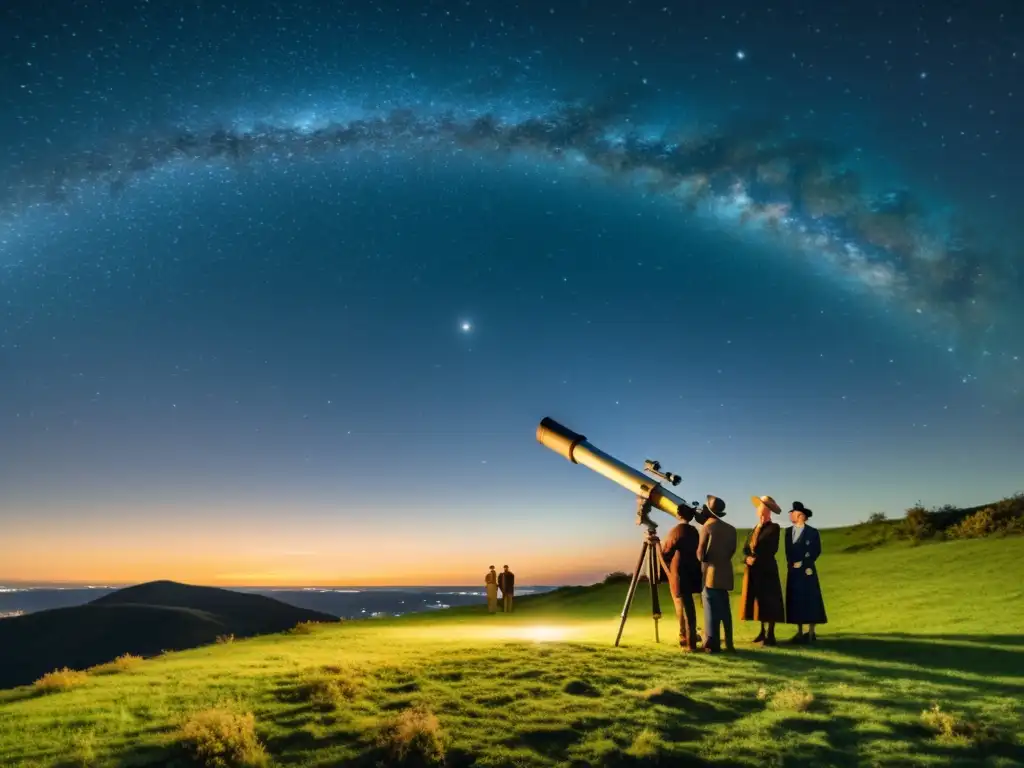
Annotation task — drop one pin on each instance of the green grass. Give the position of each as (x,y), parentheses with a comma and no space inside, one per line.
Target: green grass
(922,663)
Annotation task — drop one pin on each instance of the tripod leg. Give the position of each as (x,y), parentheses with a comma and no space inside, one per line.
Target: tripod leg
(632,590)
(652,575)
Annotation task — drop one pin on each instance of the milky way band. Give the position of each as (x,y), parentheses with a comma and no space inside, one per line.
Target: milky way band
(797,190)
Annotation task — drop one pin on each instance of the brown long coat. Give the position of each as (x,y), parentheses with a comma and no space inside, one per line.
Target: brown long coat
(715,549)
(762,588)
(680,551)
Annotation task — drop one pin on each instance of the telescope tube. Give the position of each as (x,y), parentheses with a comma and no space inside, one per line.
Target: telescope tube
(576,449)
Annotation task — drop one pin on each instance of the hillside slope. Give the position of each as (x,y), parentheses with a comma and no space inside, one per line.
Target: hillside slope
(246,613)
(143,620)
(921,664)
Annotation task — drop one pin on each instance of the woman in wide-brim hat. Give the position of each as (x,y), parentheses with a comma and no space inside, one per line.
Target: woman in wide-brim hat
(762,588)
(804,603)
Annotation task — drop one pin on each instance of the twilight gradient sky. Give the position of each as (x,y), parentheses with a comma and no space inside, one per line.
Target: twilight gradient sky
(776,248)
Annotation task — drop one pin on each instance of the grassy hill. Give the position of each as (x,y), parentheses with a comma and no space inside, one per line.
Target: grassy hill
(143,620)
(922,663)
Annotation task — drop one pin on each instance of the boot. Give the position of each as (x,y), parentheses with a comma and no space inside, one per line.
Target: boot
(760,636)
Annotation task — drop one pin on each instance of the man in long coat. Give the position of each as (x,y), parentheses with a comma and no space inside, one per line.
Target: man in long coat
(715,548)
(762,588)
(679,549)
(804,603)
(507,585)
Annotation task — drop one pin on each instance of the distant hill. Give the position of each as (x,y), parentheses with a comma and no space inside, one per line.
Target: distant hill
(142,620)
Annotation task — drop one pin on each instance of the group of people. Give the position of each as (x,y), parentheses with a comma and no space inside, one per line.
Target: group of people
(506,582)
(701,562)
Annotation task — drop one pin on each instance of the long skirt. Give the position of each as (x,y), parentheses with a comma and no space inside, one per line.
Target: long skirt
(492,598)
(804,603)
(762,593)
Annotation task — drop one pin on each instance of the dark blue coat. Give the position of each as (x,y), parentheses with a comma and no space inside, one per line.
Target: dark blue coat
(804,603)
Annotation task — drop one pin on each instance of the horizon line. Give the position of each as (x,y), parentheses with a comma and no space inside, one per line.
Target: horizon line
(98,584)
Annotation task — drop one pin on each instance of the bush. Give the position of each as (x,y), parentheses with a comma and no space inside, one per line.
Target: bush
(220,739)
(788,699)
(225,639)
(122,663)
(302,628)
(330,688)
(951,727)
(60,680)
(617,577)
(647,746)
(876,517)
(917,525)
(981,523)
(414,737)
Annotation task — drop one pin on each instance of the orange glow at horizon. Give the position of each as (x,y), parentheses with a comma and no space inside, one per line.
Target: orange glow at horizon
(130,553)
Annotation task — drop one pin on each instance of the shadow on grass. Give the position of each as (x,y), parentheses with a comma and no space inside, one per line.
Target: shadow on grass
(299,741)
(981,660)
(982,640)
(626,760)
(143,756)
(935,663)
(552,741)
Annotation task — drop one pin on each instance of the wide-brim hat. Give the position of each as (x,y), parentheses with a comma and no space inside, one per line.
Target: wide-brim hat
(798,507)
(768,501)
(714,506)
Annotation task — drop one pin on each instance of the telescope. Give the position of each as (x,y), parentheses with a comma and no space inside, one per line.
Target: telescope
(649,494)
(576,449)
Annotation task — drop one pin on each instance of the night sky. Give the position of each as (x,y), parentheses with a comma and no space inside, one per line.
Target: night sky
(286,288)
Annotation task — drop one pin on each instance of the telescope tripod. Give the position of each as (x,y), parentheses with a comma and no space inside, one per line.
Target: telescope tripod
(650,559)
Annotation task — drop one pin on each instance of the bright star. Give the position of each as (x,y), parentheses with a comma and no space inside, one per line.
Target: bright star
(741,55)
(466,327)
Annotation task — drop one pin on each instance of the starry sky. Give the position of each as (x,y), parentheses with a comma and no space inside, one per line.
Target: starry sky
(286,288)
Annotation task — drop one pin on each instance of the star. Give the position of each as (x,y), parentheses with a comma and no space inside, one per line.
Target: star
(466,326)
(741,55)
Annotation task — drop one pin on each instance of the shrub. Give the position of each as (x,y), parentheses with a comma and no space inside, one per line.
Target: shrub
(647,746)
(917,525)
(225,639)
(789,699)
(982,523)
(302,628)
(414,737)
(877,517)
(617,577)
(330,688)
(217,738)
(122,663)
(949,726)
(60,680)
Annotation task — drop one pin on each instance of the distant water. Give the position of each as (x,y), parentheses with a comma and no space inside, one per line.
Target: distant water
(344,602)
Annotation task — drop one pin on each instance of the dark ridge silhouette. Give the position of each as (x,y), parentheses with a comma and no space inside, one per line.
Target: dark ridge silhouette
(144,620)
